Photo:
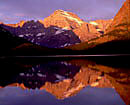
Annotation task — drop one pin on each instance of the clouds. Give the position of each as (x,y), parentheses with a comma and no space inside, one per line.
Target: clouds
(36,9)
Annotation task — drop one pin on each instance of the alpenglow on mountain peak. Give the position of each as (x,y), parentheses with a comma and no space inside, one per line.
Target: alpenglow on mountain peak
(61,17)
(58,30)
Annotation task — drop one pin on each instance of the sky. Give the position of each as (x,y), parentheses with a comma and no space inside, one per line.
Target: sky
(12,11)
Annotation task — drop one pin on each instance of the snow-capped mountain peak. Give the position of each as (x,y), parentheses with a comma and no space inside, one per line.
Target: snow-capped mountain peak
(70,16)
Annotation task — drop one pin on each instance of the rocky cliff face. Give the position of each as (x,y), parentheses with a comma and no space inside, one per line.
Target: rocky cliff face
(67,20)
(101,25)
(63,19)
(122,19)
(117,34)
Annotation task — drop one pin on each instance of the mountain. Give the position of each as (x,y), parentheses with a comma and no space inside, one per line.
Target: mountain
(122,19)
(63,19)
(51,37)
(68,20)
(11,45)
(121,23)
(116,38)
(20,24)
(101,25)
(67,31)
(1,23)
(59,30)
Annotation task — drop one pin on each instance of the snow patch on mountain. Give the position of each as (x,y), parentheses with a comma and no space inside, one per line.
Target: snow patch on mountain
(59,77)
(28,34)
(93,23)
(41,75)
(40,34)
(65,28)
(65,14)
(59,31)
(98,29)
(21,36)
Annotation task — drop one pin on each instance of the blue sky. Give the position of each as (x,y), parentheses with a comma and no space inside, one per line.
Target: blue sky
(12,11)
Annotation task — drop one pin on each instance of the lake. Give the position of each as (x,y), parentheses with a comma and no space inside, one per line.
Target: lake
(64,81)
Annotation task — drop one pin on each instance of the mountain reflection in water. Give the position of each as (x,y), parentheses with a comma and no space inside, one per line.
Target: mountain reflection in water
(71,81)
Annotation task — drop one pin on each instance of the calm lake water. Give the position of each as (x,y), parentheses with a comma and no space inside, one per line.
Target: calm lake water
(29,81)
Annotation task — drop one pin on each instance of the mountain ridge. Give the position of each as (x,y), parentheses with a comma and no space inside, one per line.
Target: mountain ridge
(86,38)
(63,21)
